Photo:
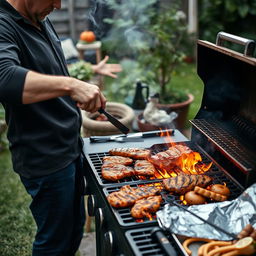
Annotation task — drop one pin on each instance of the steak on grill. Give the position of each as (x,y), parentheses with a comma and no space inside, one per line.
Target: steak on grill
(167,159)
(145,206)
(112,160)
(183,183)
(136,153)
(116,172)
(127,196)
(144,168)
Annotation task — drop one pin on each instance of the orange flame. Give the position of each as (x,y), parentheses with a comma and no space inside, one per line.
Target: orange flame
(149,216)
(192,163)
(182,198)
(189,163)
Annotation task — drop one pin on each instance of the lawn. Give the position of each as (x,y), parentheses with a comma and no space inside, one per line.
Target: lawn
(186,78)
(16,224)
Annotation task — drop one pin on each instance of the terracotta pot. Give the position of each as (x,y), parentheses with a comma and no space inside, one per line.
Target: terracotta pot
(179,123)
(93,127)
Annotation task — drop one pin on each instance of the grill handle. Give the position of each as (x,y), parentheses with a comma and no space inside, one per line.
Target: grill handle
(248,43)
(158,234)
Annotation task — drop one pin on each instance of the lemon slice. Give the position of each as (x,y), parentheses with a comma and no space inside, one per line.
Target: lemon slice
(244,242)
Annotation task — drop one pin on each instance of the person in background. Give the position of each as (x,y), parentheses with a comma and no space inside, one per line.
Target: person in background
(42,110)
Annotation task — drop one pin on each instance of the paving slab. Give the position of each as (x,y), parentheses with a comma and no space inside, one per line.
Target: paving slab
(88,245)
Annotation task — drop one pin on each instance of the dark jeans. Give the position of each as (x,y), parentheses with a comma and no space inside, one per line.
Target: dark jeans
(58,209)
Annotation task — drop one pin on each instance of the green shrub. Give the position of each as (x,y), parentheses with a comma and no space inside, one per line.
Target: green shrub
(81,70)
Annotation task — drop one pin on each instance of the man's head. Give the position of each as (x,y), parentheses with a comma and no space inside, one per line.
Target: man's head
(41,8)
(35,10)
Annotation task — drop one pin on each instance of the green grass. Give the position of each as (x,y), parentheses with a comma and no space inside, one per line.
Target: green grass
(16,224)
(17,227)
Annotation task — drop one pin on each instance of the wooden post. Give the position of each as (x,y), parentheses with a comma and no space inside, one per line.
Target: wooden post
(71,19)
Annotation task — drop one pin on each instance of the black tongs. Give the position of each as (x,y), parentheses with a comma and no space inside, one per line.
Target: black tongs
(121,127)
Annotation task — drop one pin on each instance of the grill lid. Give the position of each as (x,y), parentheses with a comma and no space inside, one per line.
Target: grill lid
(227,116)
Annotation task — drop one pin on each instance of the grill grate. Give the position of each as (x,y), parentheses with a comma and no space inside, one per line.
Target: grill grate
(95,161)
(124,217)
(227,142)
(142,243)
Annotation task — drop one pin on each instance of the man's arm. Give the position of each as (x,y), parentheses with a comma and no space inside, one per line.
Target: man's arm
(40,87)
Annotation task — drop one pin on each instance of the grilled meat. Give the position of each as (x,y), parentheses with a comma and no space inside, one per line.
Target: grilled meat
(144,168)
(167,159)
(145,206)
(127,196)
(113,160)
(116,172)
(136,153)
(184,183)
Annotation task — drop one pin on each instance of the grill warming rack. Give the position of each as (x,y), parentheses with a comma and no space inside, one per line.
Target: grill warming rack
(227,142)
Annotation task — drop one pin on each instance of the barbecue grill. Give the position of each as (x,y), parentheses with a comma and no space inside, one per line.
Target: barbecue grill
(223,132)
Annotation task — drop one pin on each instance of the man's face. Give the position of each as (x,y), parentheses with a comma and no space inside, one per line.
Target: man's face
(38,9)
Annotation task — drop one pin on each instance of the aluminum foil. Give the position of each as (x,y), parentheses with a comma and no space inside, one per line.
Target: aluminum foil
(232,216)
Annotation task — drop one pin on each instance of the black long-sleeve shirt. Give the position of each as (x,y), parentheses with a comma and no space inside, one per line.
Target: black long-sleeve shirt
(45,136)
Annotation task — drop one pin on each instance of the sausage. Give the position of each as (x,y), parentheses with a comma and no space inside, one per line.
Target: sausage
(207,193)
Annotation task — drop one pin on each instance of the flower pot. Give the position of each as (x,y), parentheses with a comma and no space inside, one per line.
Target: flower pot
(179,123)
(93,127)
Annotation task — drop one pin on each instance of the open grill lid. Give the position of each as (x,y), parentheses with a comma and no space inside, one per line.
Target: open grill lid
(227,116)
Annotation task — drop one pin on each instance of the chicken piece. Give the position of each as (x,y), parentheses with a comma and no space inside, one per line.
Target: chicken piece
(184,183)
(144,168)
(136,153)
(145,206)
(112,160)
(127,195)
(116,172)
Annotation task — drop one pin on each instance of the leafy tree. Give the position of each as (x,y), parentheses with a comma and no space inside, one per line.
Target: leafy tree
(233,16)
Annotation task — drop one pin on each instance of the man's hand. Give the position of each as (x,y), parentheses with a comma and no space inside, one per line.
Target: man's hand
(88,96)
(107,69)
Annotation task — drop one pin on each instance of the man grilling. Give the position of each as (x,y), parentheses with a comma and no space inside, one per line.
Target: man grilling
(42,105)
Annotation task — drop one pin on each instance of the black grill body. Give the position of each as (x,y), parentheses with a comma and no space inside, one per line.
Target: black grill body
(113,225)
(224,132)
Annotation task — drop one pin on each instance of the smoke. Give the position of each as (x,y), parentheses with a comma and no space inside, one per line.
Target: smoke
(126,33)
(93,17)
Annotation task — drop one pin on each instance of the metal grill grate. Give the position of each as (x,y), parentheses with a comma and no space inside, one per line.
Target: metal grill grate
(95,161)
(124,217)
(227,142)
(143,244)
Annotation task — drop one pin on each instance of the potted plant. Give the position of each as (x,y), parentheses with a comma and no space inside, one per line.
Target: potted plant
(155,38)
(81,70)
(163,54)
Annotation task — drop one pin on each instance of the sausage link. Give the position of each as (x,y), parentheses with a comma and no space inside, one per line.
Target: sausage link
(212,195)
